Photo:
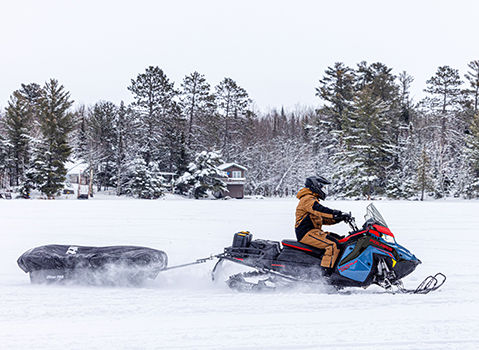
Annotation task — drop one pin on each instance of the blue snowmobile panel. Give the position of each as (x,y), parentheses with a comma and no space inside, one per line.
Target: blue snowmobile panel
(359,268)
(404,253)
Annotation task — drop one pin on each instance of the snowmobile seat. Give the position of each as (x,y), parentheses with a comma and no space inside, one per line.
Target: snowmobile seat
(289,243)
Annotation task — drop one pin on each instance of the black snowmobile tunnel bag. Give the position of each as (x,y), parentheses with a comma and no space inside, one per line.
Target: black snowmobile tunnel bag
(269,249)
(69,257)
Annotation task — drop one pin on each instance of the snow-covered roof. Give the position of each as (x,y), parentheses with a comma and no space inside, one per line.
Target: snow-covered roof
(229,165)
(75,167)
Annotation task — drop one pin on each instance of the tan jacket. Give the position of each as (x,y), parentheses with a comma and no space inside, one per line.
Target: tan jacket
(310,214)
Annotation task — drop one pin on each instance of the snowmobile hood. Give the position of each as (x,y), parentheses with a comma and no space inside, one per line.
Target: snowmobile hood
(304,192)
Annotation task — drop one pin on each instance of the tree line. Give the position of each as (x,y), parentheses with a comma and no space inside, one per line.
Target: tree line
(368,136)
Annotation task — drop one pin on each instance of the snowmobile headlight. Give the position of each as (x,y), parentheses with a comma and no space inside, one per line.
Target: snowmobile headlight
(387,238)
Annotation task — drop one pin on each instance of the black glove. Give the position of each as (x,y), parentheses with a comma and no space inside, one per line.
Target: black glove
(346,217)
(339,216)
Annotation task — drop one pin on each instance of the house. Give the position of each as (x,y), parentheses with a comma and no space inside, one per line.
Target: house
(77,172)
(235,179)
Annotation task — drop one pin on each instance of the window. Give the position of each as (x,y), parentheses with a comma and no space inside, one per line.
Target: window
(236,174)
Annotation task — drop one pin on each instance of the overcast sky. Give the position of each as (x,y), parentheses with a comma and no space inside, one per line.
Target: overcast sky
(276,50)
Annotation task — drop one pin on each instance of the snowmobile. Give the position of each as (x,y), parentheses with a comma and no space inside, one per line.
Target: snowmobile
(369,255)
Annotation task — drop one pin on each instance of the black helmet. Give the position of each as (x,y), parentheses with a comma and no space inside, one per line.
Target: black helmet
(315,184)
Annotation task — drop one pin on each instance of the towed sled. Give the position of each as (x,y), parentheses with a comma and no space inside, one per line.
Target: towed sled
(369,255)
(116,265)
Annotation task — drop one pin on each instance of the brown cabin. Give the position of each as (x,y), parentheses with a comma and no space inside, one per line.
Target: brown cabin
(235,180)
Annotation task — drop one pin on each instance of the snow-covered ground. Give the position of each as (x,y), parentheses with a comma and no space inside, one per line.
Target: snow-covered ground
(184,309)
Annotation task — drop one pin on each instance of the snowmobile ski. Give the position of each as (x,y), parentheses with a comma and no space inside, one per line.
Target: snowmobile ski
(429,284)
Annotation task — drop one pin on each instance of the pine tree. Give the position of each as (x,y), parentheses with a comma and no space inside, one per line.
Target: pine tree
(209,127)
(326,129)
(472,151)
(444,86)
(16,124)
(402,170)
(377,77)
(195,102)
(153,93)
(444,104)
(4,158)
(174,141)
(21,114)
(367,153)
(123,145)
(424,178)
(232,101)
(337,87)
(406,103)
(103,140)
(145,181)
(81,140)
(83,144)
(55,125)
(203,176)
(34,176)
(473,78)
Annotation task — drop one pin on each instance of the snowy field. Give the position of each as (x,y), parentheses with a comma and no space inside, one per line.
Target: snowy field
(184,309)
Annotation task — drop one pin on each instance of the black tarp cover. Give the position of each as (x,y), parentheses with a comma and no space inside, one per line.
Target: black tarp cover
(70,257)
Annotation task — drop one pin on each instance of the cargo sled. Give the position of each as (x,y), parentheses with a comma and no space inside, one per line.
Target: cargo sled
(115,265)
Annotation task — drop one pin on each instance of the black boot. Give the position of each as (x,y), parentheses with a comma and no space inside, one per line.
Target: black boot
(328,271)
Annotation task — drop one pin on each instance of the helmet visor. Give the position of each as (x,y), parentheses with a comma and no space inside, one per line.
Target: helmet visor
(326,190)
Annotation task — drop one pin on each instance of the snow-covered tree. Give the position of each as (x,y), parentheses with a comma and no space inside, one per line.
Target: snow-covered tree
(443,107)
(471,189)
(55,125)
(232,101)
(337,88)
(424,178)
(103,142)
(80,140)
(367,151)
(144,180)
(473,78)
(124,142)
(4,158)
(34,175)
(21,113)
(154,103)
(203,176)
(196,105)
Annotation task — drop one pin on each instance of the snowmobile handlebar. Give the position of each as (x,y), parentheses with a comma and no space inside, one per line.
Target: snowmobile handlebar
(352,222)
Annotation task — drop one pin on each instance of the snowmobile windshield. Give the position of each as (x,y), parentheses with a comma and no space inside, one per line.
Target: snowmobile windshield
(373,215)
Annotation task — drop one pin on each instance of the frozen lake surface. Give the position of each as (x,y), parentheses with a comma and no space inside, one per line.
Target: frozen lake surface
(184,309)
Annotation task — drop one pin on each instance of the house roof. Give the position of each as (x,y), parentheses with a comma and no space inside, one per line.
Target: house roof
(229,165)
(75,167)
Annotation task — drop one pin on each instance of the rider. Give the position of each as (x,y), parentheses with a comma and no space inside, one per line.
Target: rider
(311,215)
